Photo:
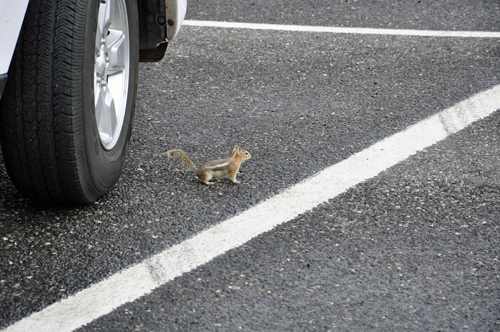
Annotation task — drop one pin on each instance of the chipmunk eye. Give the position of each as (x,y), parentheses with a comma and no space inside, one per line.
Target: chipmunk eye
(246,153)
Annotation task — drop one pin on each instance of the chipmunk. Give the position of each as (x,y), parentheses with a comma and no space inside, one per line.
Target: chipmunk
(216,168)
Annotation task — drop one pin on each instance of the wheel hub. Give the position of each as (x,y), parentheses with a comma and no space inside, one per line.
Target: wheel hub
(101,64)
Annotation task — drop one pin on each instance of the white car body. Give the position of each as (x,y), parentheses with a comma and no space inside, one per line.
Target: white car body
(11,20)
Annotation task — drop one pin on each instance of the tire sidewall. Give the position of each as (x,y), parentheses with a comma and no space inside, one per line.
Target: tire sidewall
(105,166)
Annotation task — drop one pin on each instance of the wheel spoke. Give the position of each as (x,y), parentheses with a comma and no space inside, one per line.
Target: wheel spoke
(115,45)
(106,11)
(104,21)
(106,115)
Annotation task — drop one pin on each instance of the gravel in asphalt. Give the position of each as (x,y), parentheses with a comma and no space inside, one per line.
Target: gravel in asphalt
(415,248)
(298,102)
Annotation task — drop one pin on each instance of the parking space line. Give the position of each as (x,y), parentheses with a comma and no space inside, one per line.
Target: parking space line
(344,30)
(141,279)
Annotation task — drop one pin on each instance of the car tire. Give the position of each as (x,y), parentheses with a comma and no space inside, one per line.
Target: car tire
(67,109)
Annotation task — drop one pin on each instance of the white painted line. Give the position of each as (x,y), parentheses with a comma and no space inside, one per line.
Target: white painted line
(365,31)
(136,281)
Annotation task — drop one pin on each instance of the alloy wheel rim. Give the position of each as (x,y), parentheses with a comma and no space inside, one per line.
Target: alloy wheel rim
(111,70)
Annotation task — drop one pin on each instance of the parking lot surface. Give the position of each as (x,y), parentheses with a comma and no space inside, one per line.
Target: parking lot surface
(413,248)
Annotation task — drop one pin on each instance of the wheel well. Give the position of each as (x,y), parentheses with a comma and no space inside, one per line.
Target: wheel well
(152,30)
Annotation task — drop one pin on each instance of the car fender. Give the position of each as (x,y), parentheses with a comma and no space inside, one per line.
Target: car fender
(175,11)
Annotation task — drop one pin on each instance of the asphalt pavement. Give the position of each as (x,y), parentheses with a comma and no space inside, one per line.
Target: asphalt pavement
(415,248)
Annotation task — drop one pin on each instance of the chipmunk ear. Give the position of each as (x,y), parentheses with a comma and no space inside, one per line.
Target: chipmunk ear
(235,150)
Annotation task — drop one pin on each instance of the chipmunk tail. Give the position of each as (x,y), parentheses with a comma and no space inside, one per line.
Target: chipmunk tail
(176,153)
